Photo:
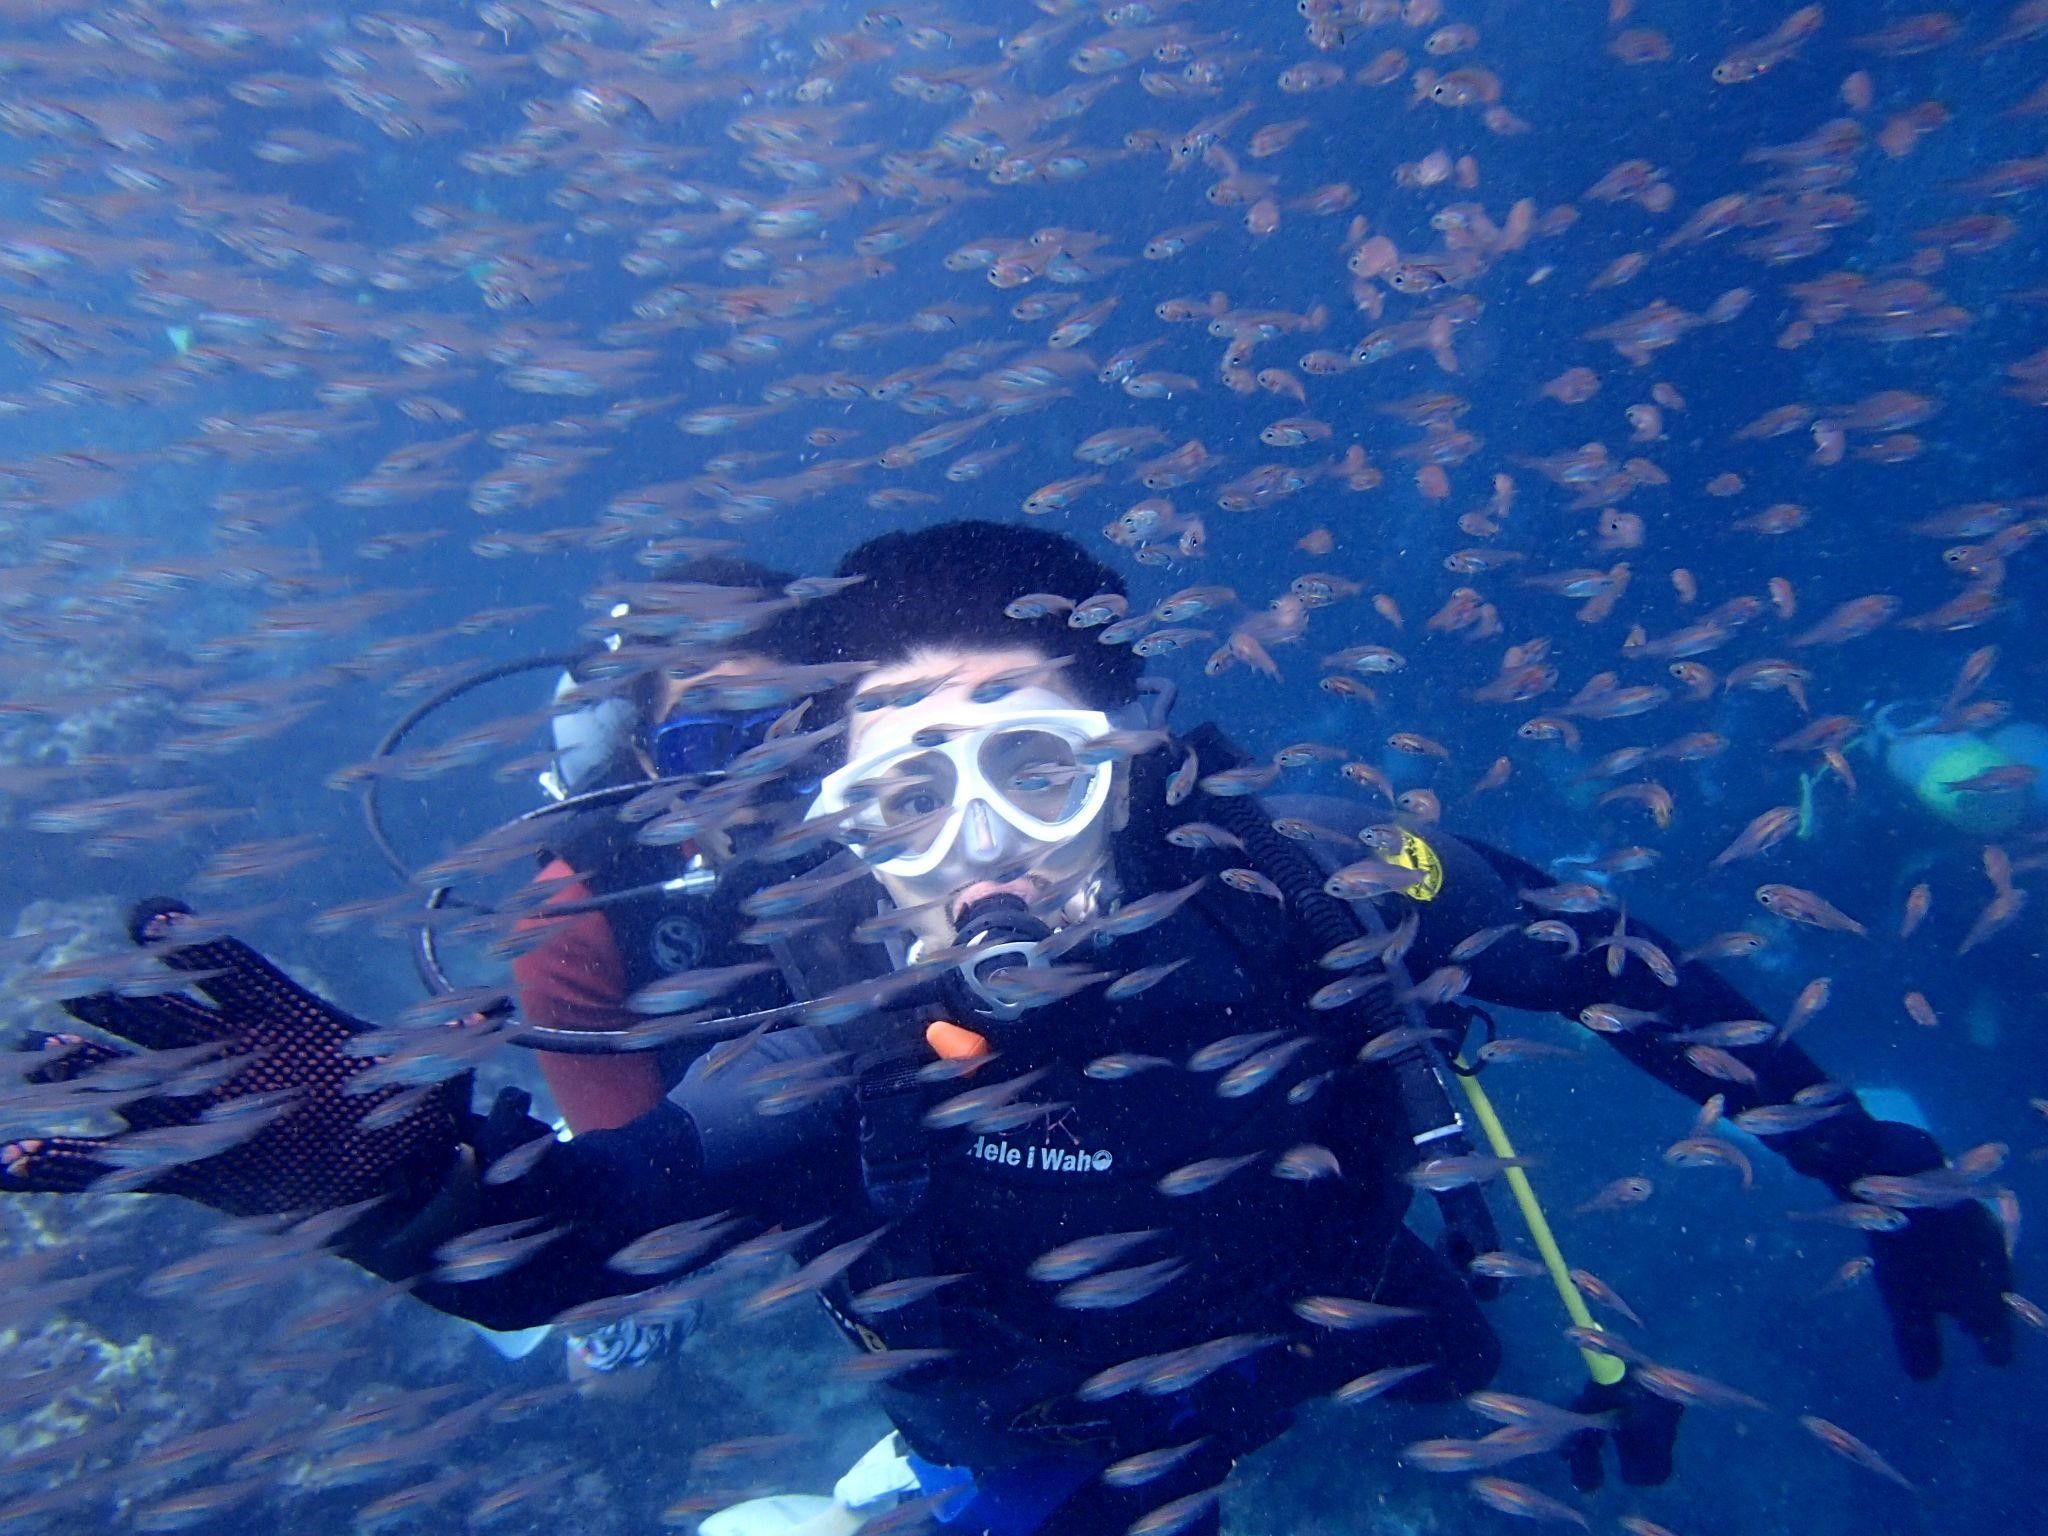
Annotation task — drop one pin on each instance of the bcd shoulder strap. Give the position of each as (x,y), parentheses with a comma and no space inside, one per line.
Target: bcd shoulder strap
(895,1158)
(1433,1124)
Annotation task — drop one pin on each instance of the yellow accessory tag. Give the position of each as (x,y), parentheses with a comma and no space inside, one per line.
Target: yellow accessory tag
(1417,855)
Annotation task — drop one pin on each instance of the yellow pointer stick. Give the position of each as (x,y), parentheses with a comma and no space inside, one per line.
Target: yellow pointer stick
(1603,1368)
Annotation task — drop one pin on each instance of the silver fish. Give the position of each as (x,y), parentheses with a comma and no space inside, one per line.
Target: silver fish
(1254,1072)
(1206,1174)
(1142,1468)
(1085,1255)
(1230,1050)
(1115,1288)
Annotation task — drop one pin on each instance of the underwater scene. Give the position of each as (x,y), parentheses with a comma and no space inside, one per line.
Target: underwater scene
(1021,766)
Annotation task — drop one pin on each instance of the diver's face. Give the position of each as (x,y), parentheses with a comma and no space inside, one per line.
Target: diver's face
(1032,828)
(673,698)
(677,690)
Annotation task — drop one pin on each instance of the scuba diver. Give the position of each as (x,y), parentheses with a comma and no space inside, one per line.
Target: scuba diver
(612,913)
(1984,784)
(1959,807)
(1099,1120)
(638,910)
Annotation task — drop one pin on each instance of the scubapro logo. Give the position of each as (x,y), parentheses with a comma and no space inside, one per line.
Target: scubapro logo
(677,944)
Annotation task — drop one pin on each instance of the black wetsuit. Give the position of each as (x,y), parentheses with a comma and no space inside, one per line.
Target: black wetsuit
(987,1202)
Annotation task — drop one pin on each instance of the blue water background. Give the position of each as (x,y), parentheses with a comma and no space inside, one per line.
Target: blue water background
(1729,1284)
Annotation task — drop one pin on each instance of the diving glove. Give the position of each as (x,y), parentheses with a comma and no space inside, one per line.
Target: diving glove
(248,1102)
(1643,1426)
(1948,1258)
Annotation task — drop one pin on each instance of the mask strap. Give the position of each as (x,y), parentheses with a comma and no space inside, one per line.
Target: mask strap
(1148,711)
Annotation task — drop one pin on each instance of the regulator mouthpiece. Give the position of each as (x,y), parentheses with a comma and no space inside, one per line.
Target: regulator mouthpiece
(1004,938)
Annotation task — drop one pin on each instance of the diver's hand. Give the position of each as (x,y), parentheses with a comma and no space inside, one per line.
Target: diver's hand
(1643,1426)
(242,1104)
(1946,1259)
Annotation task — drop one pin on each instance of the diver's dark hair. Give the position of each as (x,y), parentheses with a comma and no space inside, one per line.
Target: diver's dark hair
(948,586)
(784,634)
(727,571)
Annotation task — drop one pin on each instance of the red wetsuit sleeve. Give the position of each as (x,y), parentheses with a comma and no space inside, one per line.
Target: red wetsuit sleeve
(576,980)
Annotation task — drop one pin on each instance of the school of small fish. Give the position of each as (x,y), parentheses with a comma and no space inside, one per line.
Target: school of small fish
(310,309)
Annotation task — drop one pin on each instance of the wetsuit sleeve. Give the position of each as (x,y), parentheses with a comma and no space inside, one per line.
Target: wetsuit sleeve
(1480,890)
(575,979)
(602,1191)
(739,1103)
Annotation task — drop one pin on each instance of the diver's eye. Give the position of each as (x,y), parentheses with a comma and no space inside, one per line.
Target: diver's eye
(916,787)
(908,803)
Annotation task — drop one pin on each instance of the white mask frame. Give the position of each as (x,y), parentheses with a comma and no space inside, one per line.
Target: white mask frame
(958,737)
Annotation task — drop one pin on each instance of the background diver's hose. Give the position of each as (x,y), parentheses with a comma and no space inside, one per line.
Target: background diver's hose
(426,954)
(373,811)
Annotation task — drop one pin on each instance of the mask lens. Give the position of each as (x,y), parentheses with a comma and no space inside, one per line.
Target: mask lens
(1035,772)
(912,790)
(699,744)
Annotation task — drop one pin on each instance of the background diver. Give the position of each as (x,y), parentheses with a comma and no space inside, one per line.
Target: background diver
(1109,1169)
(620,913)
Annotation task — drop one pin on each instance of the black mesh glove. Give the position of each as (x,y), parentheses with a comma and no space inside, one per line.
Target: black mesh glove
(241,1105)
(1948,1259)
(1644,1430)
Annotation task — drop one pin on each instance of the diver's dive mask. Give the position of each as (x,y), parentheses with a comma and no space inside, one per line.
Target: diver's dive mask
(701,742)
(941,795)
(1019,795)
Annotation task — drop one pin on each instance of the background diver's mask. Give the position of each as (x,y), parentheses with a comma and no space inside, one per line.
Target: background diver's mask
(703,742)
(948,792)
